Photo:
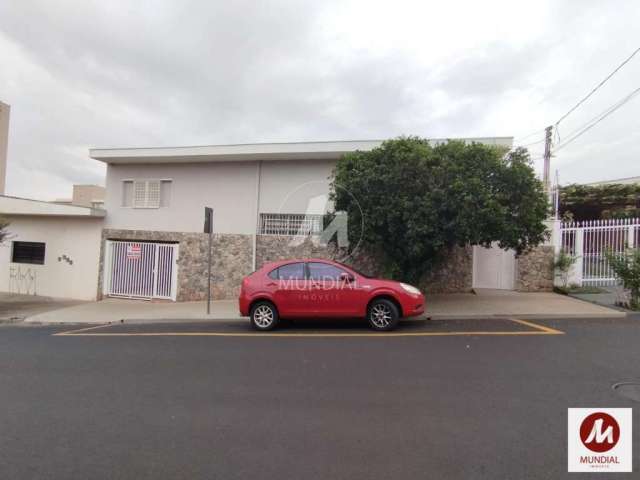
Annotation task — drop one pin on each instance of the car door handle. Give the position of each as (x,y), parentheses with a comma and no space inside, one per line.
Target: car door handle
(271,284)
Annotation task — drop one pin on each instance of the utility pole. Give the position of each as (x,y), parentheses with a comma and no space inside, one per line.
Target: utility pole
(557,197)
(547,158)
(208,228)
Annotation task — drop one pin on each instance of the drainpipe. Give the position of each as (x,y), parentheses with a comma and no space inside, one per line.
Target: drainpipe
(257,213)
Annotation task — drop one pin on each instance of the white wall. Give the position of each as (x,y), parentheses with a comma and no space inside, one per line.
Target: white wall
(77,238)
(230,188)
(5,111)
(287,186)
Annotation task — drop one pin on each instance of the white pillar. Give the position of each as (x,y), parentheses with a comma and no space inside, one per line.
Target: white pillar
(575,274)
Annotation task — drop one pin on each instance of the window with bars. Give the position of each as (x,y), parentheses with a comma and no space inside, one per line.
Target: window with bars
(290,224)
(146,193)
(28,252)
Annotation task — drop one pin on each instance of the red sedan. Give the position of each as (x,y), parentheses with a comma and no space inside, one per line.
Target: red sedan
(323,288)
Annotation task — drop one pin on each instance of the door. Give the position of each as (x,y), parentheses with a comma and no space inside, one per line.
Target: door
(494,268)
(140,270)
(292,292)
(331,295)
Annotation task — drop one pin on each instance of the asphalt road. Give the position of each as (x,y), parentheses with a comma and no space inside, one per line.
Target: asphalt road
(317,407)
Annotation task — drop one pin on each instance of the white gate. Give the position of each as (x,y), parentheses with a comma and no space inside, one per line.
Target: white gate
(493,268)
(140,269)
(589,240)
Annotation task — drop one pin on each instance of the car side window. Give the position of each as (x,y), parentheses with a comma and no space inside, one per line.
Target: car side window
(324,271)
(291,271)
(273,274)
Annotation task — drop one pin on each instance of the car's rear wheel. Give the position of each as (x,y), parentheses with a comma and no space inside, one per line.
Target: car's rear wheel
(383,315)
(264,316)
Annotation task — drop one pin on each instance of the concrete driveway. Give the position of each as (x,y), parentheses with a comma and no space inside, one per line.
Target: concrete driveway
(15,307)
(484,303)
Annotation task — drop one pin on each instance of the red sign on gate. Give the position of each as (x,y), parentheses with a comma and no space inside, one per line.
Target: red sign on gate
(134,251)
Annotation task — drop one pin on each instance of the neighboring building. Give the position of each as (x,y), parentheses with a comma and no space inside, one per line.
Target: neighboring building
(85,196)
(52,250)
(5,111)
(263,195)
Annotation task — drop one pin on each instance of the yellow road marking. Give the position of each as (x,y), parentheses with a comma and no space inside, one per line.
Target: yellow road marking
(538,330)
(549,330)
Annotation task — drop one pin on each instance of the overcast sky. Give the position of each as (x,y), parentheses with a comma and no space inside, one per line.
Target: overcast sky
(81,74)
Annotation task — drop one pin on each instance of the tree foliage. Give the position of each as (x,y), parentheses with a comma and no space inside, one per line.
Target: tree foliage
(419,201)
(626,267)
(4,233)
(595,202)
(563,264)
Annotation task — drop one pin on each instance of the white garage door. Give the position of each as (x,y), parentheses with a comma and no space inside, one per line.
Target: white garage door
(141,269)
(494,268)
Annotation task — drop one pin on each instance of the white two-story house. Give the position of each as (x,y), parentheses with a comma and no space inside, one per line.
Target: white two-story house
(264,196)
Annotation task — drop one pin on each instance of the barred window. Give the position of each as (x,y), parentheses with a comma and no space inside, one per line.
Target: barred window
(28,252)
(290,224)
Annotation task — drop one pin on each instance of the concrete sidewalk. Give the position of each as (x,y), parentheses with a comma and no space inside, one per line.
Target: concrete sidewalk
(15,307)
(483,304)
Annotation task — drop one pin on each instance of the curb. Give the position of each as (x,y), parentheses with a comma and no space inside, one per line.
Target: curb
(143,321)
(530,316)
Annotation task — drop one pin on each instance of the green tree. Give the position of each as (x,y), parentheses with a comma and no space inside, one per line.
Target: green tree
(626,267)
(419,201)
(594,202)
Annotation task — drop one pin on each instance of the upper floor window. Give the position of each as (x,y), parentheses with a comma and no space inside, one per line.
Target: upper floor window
(146,193)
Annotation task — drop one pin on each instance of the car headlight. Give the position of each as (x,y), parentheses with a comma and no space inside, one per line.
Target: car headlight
(410,288)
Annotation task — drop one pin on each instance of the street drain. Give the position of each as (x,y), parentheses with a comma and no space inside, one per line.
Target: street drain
(630,390)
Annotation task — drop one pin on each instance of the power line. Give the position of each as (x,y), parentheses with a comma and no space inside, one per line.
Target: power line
(594,121)
(598,86)
(524,137)
(527,144)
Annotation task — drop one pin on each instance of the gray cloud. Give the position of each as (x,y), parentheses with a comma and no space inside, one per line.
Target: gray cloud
(82,74)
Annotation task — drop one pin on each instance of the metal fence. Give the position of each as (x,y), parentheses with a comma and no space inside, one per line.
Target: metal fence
(141,269)
(589,241)
(287,224)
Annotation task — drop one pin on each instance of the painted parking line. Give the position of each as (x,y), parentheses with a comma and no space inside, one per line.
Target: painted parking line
(542,328)
(536,330)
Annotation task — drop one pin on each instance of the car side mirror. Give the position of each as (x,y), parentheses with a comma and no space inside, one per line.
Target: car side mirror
(347,278)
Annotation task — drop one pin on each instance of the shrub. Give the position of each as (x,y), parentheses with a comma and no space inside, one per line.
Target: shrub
(563,264)
(626,267)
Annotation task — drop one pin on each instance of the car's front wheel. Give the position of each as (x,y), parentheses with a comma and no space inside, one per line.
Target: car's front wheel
(383,315)
(264,316)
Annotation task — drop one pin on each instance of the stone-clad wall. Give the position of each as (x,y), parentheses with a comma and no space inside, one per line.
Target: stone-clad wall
(454,276)
(535,270)
(232,260)
(270,248)
(233,254)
